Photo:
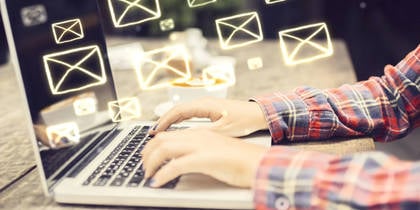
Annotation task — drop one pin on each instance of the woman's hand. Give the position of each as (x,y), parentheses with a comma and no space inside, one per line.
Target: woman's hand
(232,118)
(224,158)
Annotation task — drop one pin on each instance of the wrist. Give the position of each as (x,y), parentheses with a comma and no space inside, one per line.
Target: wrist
(259,117)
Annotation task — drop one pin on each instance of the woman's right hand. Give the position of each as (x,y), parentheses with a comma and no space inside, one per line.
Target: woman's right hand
(229,117)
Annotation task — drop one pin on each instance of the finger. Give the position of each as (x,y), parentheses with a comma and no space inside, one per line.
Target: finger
(152,145)
(169,118)
(175,168)
(184,112)
(166,151)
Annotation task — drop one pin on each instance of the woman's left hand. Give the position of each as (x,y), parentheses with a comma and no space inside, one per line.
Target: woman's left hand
(224,158)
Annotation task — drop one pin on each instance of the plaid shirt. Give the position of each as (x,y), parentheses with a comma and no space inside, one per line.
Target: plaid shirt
(385,108)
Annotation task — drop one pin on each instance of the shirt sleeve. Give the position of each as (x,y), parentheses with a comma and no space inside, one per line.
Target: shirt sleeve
(385,108)
(293,179)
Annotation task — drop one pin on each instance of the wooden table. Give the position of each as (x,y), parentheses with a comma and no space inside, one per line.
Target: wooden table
(19,179)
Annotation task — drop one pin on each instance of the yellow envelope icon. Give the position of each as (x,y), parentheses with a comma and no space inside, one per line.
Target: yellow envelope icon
(161,67)
(124,109)
(239,30)
(314,44)
(199,3)
(67,31)
(74,70)
(132,12)
(63,134)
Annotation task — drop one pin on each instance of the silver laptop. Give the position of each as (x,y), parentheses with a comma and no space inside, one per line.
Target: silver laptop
(85,154)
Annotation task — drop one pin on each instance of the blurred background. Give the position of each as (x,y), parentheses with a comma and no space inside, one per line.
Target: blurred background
(376,32)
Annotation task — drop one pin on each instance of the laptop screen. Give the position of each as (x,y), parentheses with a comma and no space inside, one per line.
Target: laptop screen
(65,71)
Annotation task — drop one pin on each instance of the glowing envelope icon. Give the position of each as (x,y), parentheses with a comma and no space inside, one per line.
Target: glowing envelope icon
(63,134)
(132,12)
(239,30)
(124,109)
(223,73)
(85,106)
(67,31)
(255,63)
(75,70)
(161,67)
(167,24)
(303,44)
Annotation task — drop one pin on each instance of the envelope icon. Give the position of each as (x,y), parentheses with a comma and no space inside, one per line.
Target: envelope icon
(239,30)
(220,73)
(161,67)
(63,134)
(124,109)
(74,70)
(167,24)
(85,106)
(67,31)
(199,3)
(305,44)
(132,12)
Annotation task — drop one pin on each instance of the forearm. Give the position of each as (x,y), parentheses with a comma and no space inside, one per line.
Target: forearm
(311,180)
(385,108)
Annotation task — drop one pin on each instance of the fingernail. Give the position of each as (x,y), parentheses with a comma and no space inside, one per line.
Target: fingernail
(153,183)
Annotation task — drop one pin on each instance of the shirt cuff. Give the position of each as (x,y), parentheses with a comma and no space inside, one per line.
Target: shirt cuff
(286,114)
(285,178)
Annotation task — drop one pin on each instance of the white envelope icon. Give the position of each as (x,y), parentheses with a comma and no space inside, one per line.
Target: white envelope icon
(63,134)
(161,67)
(132,12)
(67,31)
(124,109)
(167,24)
(223,73)
(239,30)
(293,43)
(199,3)
(85,106)
(75,70)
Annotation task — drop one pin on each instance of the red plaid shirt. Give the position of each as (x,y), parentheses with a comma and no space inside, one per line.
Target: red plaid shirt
(385,108)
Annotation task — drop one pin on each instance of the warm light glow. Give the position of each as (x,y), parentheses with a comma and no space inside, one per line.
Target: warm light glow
(153,72)
(167,24)
(255,63)
(294,55)
(56,64)
(234,37)
(124,109)
(224,73)
(85,106)
(67,31)
(134,12)
(199,3)
(273,1)
(63,134)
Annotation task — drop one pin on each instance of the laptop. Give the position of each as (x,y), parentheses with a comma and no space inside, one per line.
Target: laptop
(85,152)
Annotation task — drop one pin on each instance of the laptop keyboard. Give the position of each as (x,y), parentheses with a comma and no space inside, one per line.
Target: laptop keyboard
(124,166)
